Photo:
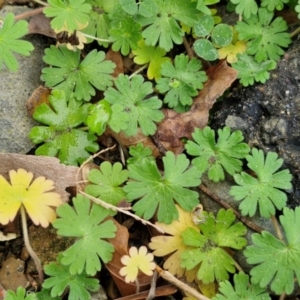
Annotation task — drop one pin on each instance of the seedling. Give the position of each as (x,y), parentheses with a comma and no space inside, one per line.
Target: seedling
(32,196)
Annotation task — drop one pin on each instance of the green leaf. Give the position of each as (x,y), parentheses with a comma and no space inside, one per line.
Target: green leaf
(182,81)
(241,290)
(158,192)
(297,9)
(142,110)
(245,7)
(45,294)
(265,38)
(277,262)
(139,153)
(107,182)
(161,18)
(155,56)
(98,117)
(264,190)
(251,71)
(85,222)
(204,25)
(67,73)
(216,156)
(207,251)
(125,34)
(271,5)
(222,35)
(119,118)
(60,279)
(68,15)
(10,32)
(20,294)
(60,137)
(205,49)
(129,6)
(99,22)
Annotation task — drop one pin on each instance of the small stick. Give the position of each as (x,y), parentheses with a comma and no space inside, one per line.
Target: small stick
(247,222)
(188,48)
(169,277)
(277,228)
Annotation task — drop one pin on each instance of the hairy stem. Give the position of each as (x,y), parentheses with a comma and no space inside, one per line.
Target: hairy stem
(95,38)
(28,246)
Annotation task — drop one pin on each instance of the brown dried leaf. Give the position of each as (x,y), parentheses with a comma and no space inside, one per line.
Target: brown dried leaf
(63,176)
(40,95)
(117,59)
(41,24)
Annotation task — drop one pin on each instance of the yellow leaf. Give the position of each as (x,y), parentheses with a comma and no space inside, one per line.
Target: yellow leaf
(35,197)
(231,51)
(165,245)
(138,259)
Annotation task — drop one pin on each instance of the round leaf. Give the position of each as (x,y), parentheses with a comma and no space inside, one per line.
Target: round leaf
(205,49)
(222,35)
(204,26)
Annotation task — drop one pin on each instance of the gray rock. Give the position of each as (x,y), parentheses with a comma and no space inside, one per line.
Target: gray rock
(16,88)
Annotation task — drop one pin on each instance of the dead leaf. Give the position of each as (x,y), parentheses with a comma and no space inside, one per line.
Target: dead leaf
(117,59)
(120,243)
(41,24)
(39,96)
(63,176)
(176,126)
(12,274)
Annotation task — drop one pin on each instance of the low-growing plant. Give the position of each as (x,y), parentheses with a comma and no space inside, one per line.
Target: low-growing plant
(166,44)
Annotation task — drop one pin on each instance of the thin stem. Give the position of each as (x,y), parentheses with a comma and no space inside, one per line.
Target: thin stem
(138,71)
(169,277)
(277,228)
(282,296)
(41,2)
(238,267)
(28,246)
(295,32)
(188,48)
(28,14)
(95,38)
(137,286)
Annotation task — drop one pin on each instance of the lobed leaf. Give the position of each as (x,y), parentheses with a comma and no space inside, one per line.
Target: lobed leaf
(214,156)
(279,272)
(264,190)
(10,32)
(242,289)
(85,222)
(182,81)
(60,137)
(265,37)
(251,71)
(133,95)
(70,15)
(207,248)
(67,73)
(158,192)
(60,280)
